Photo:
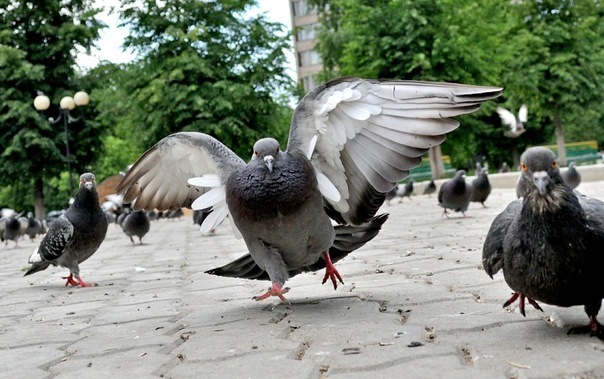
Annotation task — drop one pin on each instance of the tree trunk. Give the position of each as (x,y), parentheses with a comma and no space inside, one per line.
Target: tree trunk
(436,162)
(39,211)
(560,140)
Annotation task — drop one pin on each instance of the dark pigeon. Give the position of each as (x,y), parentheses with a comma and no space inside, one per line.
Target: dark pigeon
(430,188)
(11,229)
(455,194)
(571,176)
(392,194)
(350,141)
(549,243)
(481,187)
(504,168)
(33,226)
(74,236)
(406,190)
(136,224)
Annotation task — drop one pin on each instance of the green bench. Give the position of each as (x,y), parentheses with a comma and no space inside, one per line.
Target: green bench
(423,171)
(585,152)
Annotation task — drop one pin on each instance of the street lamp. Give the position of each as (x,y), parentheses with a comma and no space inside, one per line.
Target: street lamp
(67,103)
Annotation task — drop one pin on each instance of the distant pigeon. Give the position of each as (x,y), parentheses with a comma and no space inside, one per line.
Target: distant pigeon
(571,176)
(392,194)
(406,190)
(74,236)
(455,194)
(136,224)
(33,226)
(481,187)
(350,141)
(515,123)
(549,243)
(504,167)
(176,213)
(11,229)
(430,188)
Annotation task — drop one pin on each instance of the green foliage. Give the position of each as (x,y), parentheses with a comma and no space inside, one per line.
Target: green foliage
(202,66)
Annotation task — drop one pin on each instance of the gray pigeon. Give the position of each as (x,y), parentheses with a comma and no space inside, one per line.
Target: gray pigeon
(571,176)
(406,190)
(549,243)
(430,188)
(350,141)
(455,194)
(33,226)
(136,224)
(74,236)
(393,193)
(481,187)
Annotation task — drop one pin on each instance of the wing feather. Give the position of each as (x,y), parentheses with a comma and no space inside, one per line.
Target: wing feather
(371,132)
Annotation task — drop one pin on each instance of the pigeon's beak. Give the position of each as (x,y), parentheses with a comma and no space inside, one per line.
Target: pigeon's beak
(268,162)
(541,180)
(89,185)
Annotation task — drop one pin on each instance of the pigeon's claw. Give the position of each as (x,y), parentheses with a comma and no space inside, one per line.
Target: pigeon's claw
(275,290)
(594,328)
(76,282)
(517,295)
(331,272)
(70,280)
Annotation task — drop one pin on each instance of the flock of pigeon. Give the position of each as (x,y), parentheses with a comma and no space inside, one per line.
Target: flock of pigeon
(14,226)
(310,205)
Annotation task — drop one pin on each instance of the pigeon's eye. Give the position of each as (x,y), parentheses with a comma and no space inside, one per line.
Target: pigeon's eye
(554,164)
(256,153)
(523,167)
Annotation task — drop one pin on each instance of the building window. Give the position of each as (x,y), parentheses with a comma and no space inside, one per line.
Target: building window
(309,58)
(301,8)
(307,32)
(309,82)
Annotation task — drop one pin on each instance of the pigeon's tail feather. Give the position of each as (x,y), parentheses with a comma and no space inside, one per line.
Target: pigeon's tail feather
(348,238)
(37,266)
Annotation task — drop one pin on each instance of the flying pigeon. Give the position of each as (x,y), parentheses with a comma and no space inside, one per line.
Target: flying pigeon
(351,140)
(481,187)
(515,123)
(136,224)
(548,243)
(74,236)
(430,188)
(571,176)
(455,194)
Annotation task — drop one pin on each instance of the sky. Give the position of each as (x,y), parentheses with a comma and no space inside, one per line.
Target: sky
(109,45)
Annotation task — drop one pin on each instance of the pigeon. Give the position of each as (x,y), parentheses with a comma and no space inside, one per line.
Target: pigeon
(455,194)
(516,123)
(33,226)
(11,229)
(350,141)
(504,168)
(548,243)
(481,187)
(391,194)
(406,190)
(136,224)
(430,188)
(74,236)
(571,176)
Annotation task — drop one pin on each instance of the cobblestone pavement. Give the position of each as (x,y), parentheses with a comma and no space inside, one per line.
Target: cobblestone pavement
(416,303)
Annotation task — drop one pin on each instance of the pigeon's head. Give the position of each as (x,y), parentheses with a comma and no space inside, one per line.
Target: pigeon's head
(87,181)
(460,174)
(540,170)
(265,150)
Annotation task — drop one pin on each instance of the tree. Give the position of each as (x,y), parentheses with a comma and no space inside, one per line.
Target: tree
(38,53)
(201,66)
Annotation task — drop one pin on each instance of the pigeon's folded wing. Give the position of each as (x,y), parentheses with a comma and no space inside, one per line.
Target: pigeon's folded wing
(362,136)
(492,251)
(54,242)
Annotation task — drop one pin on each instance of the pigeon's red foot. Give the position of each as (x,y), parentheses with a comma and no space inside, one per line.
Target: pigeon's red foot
(331,272)
(275,290)
(594,328)
(445,214)
(517,295)
(77,282)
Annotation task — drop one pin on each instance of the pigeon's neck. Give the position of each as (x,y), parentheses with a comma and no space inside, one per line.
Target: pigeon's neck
(557,204)
(87,200)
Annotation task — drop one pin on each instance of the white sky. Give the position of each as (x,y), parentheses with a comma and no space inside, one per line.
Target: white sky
(111,38)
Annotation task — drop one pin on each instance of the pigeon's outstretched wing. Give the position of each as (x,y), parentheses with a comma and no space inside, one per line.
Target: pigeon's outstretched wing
(507,118)
(523,113)
(160,178)
(363,136)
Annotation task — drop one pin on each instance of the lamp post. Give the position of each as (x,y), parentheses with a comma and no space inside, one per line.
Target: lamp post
(67,103)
